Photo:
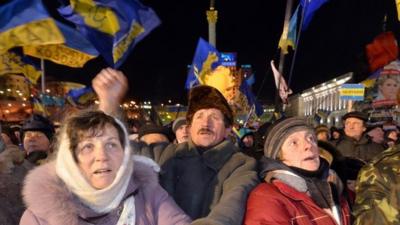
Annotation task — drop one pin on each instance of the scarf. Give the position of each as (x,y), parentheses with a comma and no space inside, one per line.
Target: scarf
(314,183)
(100,201)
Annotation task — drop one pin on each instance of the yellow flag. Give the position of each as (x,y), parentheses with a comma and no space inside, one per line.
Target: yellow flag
(38,32)
(99,17)
(12,63)
(60,54)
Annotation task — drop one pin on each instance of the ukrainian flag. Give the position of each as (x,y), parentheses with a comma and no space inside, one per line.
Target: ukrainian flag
(26,22)
(75,52)
(113,27)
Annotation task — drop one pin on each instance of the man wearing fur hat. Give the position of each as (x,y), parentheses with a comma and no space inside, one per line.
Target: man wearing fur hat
(208,177)
(355,142)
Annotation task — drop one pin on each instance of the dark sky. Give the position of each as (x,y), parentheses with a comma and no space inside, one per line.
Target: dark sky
(333,44)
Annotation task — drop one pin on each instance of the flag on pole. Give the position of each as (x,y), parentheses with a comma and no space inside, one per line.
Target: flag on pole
(113,27)
(291,37)
(251,99)
(310,7)
(75,52)
(26,22)
(205,60)
(280,83)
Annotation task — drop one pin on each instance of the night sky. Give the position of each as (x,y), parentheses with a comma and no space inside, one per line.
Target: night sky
(333,44)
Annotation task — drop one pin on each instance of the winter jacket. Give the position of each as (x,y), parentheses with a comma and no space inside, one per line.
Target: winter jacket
(277,203)
(12,174)
(363,149)
(378,190)
(49,201)
(210,185)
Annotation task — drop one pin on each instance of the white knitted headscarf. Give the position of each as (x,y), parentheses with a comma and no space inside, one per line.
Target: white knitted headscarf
(101,201)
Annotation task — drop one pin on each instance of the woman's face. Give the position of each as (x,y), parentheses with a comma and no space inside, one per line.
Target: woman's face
(389,89)
(300,150)
(100,157)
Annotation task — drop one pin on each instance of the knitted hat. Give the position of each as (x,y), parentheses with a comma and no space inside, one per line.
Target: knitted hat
(280,131)
(207,97)
(178,123)
(38,123)
(321,128)
(151,128)
(356,114)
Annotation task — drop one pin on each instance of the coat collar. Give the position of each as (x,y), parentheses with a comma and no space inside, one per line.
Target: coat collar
(214,157)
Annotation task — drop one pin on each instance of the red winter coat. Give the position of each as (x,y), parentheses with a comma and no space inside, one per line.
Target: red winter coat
(279,204)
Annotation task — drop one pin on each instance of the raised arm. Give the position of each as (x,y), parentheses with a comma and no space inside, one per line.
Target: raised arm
(111,86)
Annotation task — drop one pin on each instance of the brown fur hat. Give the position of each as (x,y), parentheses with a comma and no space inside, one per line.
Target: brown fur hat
(207,97)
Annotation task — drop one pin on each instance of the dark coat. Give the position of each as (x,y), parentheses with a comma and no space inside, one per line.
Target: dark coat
(363,149)
(277,203)
(50,202)
(12,174)
(209,185)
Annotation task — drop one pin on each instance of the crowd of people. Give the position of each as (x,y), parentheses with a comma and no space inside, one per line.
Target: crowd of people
(100,168)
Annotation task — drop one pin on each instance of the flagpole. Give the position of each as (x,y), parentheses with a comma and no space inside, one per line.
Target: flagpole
(212,16)
(43,75)
(42,67)
(288,13)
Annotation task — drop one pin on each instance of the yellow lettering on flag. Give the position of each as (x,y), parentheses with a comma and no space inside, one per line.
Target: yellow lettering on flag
(38,32)
(95,16)
(60,54)
(121,47)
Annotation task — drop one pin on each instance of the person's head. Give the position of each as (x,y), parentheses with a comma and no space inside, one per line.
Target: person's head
(98,145)
(322,132)
(36,134)
(246,137)
(354,124)
(335,133)
(392,134)
(388,85)
(151,133)
(376,134)
(293,142)
(209,116)
(180,128)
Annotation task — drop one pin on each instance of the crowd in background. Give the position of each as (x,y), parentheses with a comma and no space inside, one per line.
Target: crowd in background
(101,168)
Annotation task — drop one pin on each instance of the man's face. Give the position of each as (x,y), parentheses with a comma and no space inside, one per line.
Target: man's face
(354,128)
(35,141)
(182,133)
(207,128)
(248,141)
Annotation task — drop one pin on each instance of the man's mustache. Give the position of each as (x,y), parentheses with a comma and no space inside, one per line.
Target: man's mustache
(205,130)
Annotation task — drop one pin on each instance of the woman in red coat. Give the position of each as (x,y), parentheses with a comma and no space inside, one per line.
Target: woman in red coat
(296,189)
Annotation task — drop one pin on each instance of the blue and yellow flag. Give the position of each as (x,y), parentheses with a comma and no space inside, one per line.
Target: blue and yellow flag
(38,107)
(205,60)
(251,99)
(11,62)
(310,7)
(75,52)
(80,95)
(291,38)
(26,22)
(113,27)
